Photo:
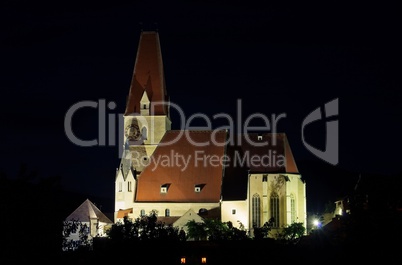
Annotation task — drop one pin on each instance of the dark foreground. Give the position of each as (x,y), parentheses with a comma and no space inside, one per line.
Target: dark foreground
(310,250)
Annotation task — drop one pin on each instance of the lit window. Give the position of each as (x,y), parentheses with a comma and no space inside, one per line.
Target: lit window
(164,187)
(203,260)
(183,260)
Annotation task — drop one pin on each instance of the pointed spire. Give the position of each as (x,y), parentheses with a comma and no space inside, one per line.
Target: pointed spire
(148,75)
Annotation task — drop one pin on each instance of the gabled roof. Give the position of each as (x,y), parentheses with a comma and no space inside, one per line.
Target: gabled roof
(86,211)
(255,153)
(148,76)
(187,216)
(168,220)
(271,153)
(179,164)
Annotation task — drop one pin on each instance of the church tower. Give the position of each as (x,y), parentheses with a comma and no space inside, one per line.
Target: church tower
(146,117)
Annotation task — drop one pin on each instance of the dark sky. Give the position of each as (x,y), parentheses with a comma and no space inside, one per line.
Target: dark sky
(276,58)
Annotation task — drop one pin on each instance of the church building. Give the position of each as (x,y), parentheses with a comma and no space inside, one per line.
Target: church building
(246,179)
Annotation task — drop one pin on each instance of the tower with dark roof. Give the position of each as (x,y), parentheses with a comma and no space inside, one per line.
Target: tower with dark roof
(146,116)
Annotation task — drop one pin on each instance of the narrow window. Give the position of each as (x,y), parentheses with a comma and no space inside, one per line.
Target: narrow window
(233,211)
(275,209)
(256,211)
(120,187)
(129,186)
(292,208)
(167,212)
(144,133)
(264,178)
(142,212)
(145,106)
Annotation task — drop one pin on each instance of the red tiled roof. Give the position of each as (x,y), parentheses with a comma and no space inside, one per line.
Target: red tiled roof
(167,168)
(148,75)
(180,165)
(122,213)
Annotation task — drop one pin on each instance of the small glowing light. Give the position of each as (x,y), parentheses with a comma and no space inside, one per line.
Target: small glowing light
(183,260)
(203,260)
(316,222)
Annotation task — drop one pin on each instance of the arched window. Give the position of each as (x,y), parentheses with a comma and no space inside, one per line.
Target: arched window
(142,213)
(256,215)
(292,208)
(274,203)
(167,212)
(144,133)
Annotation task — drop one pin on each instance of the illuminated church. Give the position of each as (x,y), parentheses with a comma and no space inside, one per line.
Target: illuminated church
(246,179)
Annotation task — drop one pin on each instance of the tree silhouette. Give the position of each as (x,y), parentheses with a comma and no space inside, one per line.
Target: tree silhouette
(215,230)
(144,228)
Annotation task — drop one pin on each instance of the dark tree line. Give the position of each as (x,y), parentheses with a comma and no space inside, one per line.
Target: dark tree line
(148,227)
(144,228)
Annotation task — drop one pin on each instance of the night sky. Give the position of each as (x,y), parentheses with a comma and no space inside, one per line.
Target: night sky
(275,58)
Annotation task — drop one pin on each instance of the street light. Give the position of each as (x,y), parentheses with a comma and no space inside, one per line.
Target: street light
(316,223)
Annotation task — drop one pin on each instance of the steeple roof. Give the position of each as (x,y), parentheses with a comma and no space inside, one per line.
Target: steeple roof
(148,76)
